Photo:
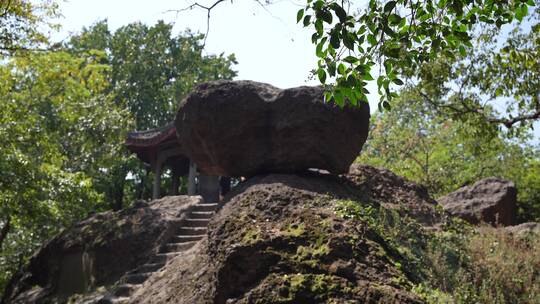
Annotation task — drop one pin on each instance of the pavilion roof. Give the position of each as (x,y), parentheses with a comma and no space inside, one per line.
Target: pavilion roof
(147,144)
(151,138)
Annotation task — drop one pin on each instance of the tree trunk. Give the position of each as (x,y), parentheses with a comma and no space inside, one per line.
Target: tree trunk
(141,187)
(4,232)
(118,191)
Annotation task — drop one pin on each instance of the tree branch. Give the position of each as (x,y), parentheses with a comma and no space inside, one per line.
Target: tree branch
(204,7)
(509,122)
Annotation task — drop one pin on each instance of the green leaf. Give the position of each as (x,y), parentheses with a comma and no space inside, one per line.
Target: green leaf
(367,76)
(332,68)
(319,27)
(342,68)
(319,49)
(389,6)
(334,40)
(397,81)
(520,13)
(350,59)
(371,39)
(322,75)
(340,12)
(395,19)
(327,96)
(299,15)
(326,17)
(441,4)
(338,97)
(307,20)
(462,50)
(348,40)
(318,5)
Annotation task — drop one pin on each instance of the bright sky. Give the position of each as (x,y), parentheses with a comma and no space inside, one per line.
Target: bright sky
(269,46)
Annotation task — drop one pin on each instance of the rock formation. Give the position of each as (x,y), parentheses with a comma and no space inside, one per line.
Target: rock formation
(98,251)
(244,128)
(524,229)
(277,239)
(491,200)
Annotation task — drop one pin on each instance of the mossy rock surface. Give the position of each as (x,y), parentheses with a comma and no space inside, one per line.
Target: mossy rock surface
(283,239)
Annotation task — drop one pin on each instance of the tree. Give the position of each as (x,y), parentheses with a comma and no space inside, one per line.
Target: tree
(58,127)
(496,82)
(395,35)
(23,23)
(151,71)
(64,115)
(418,142)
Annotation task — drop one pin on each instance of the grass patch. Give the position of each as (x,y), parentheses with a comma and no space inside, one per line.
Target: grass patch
(459,263)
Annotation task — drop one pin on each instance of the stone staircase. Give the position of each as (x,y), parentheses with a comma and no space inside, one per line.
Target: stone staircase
(192,229)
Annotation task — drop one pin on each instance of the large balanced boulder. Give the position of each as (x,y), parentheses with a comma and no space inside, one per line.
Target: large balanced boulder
(491,200)
(93,254)
(244,128)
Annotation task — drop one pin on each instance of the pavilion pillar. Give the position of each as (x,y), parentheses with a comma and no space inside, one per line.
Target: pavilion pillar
(225,184)
(157,180)
(209,188)
(192,187)
(175,182)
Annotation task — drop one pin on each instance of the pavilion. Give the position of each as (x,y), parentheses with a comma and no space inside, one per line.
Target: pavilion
(160,148)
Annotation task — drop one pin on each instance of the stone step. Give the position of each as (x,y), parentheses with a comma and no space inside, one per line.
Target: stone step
(135,278)
(164,257)
(205,207)
(186,238)
(177,247)
(202,214)
(125,290)
(190,222)
(114,300)
(149,267)
(192,231)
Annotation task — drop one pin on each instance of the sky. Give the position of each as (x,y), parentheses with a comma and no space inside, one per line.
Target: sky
(268,44)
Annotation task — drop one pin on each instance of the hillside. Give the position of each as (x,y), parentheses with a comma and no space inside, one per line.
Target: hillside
(365,237)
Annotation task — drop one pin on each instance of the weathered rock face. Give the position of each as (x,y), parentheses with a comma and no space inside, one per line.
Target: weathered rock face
(491,200)
(97,251)
(244,128)
(524,229)
(396,193)
(279,239)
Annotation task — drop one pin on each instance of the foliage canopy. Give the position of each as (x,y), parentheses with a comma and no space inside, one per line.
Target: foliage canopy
(395,35)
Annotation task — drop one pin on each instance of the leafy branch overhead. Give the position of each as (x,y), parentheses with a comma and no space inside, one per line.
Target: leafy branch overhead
(395,36)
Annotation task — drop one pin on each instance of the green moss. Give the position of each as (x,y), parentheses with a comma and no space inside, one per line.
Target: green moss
(430,295)
(303,286)
(294,230)
(314,251)
(252,235)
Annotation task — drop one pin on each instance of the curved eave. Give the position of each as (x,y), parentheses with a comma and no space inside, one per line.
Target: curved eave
(151,138)
(146,144)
